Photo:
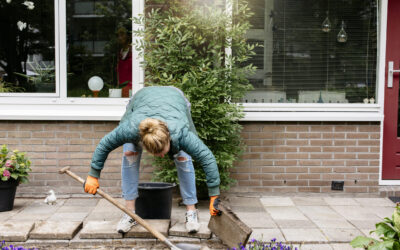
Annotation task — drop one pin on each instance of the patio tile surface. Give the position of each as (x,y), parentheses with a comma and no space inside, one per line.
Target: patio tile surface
(276,201)
(338,224)
(320,212)
(314,222)
(355,213)
(337,201)
(304,235)
(377,202)
(300,224)
(267,234)
(285,213)
(309,201)
(341,234)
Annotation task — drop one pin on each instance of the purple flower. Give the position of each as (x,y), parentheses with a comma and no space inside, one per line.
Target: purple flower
(7,174)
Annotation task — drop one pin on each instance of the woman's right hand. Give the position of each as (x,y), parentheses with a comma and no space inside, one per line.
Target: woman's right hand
(91,185)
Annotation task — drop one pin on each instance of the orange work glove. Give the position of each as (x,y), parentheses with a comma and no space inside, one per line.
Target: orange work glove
(91,185)
(214,202)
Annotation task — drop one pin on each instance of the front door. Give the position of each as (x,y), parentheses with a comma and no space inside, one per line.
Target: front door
(391,128)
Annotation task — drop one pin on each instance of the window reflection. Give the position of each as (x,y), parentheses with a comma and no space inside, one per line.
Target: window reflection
(99,44)
(27,52)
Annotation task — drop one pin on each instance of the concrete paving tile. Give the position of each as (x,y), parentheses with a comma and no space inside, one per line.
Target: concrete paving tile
(44,244)
(313,246)
(267,234)
(295,224)
(135,243)
(304,235)
(75,209)
(285,213)
(20,203)
(55,230)
(320,212)
(82,202)
(15,230)
(68,216)
(30,217)
(364,224)
(309,201)
(381,212)
(7,215)
(355,213)
(112,214)
(245,201)
(139,231)
(276,201)
(344,224)
(100,230)
(204,215)
(343,246)
(177,239)
(248,209)
(376,202)
(336,201)
(179,229)
(256,220)
(39,207)
(341,234)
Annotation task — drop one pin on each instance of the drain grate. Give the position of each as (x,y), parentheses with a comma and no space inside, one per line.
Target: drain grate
(395,199)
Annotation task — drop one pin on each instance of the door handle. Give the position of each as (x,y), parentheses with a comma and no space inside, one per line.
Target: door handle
(390,74)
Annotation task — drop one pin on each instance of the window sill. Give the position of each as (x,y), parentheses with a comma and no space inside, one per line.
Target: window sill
(110,109)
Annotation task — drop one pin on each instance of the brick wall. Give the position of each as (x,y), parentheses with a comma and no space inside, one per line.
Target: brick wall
(53,145)
(280,156)
(306,157)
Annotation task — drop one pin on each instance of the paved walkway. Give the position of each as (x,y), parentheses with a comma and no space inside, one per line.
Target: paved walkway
(83,223)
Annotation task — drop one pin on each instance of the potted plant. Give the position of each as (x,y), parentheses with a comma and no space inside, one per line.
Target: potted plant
(14,169)
(115,91)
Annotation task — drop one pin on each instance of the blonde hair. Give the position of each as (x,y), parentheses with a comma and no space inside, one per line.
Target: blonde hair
(154,135)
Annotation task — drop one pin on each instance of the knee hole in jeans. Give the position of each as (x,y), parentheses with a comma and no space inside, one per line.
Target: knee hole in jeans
(131,153)
(131,157)
(182,159)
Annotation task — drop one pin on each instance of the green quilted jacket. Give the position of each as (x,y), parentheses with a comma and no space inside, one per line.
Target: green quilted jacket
(166,104)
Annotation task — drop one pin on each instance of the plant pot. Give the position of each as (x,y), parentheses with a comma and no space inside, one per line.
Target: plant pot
(155,200)
(7,194)
(115,93)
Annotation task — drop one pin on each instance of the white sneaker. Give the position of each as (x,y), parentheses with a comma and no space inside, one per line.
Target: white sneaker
(192,221)
(125,224)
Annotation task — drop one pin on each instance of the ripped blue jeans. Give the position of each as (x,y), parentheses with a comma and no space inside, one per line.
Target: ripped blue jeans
(130,175)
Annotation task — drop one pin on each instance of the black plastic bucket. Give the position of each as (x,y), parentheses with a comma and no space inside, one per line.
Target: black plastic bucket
(7,194)
(155,200)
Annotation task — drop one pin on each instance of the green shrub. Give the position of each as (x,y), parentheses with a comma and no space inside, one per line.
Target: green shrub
(184,46)
(388,232)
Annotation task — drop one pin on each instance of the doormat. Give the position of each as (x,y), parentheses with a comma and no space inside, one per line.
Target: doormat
(395,199)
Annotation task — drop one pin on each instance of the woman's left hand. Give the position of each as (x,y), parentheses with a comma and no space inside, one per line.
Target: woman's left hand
(214,202)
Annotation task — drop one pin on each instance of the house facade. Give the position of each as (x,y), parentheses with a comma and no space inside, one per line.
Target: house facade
(322,118)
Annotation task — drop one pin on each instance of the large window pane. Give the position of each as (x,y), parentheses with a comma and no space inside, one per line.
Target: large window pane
(314,51)
(27,51)
(99,44)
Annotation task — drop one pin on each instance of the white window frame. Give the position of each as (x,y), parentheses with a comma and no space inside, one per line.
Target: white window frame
(57,106)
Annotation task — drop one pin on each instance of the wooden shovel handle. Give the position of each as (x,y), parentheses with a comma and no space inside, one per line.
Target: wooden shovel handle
(122,207)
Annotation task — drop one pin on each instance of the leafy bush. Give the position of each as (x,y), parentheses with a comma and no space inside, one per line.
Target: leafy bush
(16,166)
(388,232)
(184,46)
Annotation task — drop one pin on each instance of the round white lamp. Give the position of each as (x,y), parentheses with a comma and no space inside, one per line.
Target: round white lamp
(95,84)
